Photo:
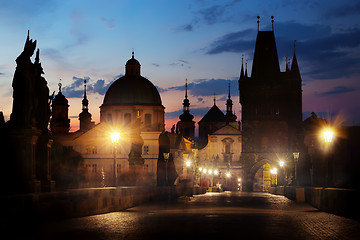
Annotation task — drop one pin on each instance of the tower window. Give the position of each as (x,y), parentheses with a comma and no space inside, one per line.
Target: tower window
(147,120)
(146,149)
(127,118)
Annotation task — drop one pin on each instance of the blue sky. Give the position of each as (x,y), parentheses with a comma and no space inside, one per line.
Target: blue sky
(201,40)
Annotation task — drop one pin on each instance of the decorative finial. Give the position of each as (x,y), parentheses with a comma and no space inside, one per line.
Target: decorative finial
(214,98)
(272,23)
(132,53)
(294,45)
(60,85)
(258,22)
(186,95)
(229,89)
(246,74)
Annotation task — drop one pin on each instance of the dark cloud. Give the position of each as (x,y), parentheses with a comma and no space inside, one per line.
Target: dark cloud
(344,11)
(181,63)
(186,27)
(76,90)
(109,23)
(337,90)
(2,74)
(193,111)
(211,15)
(326,54)
(155,64)
(207,87)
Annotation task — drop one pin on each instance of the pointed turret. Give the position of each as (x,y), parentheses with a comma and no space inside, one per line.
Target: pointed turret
(85,116)
(294,65)
(230,117)
(60,123)
(186,126)
(242,69)
(246,74)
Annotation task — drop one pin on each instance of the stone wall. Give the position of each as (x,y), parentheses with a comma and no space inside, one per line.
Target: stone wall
(343,202)
(84,202)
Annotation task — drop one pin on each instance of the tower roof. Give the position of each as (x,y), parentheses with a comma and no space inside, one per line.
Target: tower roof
(214,115)
(266,61)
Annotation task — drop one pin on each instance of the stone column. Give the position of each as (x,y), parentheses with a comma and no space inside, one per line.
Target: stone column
(23,153)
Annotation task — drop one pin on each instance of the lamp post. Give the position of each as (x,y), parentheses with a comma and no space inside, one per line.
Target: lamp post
(166,158)
(115,140)
(274,176)
(328,135)
(296,159)
(282,165)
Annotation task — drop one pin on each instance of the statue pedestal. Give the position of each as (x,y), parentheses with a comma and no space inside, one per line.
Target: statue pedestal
(43,166)
(23,155)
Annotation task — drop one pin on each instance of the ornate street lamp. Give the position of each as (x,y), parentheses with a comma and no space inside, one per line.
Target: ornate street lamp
(115,136)
(166,158)
(296,159)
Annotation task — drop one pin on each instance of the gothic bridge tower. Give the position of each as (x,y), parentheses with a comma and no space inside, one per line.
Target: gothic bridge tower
(271,103)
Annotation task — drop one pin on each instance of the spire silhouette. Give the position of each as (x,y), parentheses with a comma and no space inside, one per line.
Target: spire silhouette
(242,67)
(246,74)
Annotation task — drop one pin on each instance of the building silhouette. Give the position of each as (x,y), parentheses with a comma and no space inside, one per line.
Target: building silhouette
(186,126)
(271,103)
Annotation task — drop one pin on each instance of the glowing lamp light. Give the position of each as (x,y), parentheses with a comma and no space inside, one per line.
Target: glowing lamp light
(273,171)
(216,172)
(210,171)
(328,135)
(239,179)
(115,137)
(200,169)
(187,163)
(282,163)
(204,170)
(228,174)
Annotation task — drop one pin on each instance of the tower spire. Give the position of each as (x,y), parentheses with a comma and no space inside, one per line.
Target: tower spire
(246,74)
(186,102)
(258,23)
(229,90)
(272,23)
(85,101)
(214,98)
(294,64)
(242,67)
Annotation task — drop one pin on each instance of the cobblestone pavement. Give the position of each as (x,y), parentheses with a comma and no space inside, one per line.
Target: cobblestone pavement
(228,215)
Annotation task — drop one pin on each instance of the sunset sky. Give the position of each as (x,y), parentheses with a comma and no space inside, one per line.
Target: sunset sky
(201,40)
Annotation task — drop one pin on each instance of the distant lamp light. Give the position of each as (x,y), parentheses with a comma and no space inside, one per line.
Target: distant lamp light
(239,179)
(115,136)
(328,135)
(282,163)
(210,171)
(204,170)
(188,163)
(200,169)
(273,171)
(216,172)
(228,174)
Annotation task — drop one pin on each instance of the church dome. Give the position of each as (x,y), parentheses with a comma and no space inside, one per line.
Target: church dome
(132,89)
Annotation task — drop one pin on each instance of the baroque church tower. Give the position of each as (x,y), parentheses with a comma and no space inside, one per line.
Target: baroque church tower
(186,126)
(60,123)
(85,116)
(271,103)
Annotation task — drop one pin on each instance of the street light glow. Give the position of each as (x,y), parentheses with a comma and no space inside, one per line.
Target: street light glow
(273,171)
(115,137)
(328,135)
(216,172)
(282,163)
(200,169)
(239,179)
(210,171)
(228,174)
(204,170)
(188,163)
